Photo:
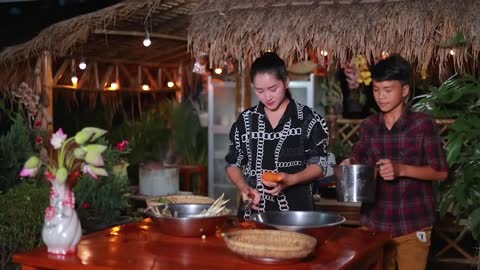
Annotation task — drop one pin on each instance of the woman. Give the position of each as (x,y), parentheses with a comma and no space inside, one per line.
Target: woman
(278,135)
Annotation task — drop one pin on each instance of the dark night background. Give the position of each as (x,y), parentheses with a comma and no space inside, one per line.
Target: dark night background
(20,20)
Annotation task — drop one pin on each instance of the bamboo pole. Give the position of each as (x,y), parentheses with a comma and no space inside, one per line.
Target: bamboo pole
(47,86)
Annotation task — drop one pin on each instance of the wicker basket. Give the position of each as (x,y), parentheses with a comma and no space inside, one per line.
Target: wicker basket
(180,199)
(270,244)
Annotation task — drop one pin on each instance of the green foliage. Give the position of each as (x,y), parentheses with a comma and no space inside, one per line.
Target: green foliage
(460,195)
(104,200)
(148,137)
(171,127)
(191,139)
(15,149)
(340,150)
(21,219)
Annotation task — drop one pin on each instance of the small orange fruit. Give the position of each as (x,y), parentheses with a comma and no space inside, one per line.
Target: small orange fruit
(271,177)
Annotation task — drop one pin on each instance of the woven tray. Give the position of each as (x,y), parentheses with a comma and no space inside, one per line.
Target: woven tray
(270,244)
(180,199)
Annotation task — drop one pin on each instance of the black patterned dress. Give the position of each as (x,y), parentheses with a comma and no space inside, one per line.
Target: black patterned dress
(299,139)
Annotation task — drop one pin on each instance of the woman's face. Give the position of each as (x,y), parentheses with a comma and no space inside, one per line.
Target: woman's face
(270,90)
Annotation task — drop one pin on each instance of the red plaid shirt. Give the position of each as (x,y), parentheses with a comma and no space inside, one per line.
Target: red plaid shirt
(403,205)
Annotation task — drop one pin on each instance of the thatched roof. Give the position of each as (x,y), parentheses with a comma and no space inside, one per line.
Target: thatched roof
(413,28)
(113,34)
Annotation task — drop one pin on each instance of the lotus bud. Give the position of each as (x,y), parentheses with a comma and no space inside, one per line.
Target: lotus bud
(83,136)
(61,175)
(99,171)
(79,153)
(97,132)
(95,148)
(26,172)
(94,158)
(32,162)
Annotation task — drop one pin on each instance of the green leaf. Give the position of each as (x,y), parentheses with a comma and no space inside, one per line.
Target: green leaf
(453,150)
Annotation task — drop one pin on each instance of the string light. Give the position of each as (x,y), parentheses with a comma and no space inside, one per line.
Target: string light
(113,86)
(170,84)
(452,52)
(324,52)
(146,41)
(74,79)
(218,71)
(145,87)
(384,54)
(82,65)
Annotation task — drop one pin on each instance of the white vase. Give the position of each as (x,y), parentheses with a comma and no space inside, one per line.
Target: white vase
(62,230)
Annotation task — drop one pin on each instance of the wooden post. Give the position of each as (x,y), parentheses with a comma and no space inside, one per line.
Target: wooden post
(332,125)
(47,86)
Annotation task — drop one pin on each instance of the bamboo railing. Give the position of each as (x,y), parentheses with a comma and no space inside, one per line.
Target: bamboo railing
(347,130)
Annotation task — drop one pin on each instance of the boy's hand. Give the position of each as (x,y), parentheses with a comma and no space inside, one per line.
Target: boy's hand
(345,162)
(387,169)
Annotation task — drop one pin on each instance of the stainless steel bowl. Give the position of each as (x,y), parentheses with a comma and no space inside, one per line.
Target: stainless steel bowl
(183,224)
(355,183)
(319,224)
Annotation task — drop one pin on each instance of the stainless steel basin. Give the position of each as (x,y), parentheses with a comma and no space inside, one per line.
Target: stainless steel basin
(321,225)
(185,226)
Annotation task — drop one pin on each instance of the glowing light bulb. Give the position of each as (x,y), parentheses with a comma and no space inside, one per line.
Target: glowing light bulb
(146,41)
(74,79)
(82,65)
(114,86)
(218,71)
(324,52)
(170,84)
(145,87)
(452,52)
(384,54)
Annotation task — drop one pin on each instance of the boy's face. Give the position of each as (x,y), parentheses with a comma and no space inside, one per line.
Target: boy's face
(389,95)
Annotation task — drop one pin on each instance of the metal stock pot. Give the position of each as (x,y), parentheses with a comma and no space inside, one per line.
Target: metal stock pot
(355,183)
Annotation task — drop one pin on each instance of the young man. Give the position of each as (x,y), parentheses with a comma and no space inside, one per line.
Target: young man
(409,153)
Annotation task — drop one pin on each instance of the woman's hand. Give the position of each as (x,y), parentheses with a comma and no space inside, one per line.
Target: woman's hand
(250,193)
(387,169)
(279,185)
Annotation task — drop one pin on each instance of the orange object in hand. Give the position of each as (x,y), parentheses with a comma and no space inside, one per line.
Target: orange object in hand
(272,177)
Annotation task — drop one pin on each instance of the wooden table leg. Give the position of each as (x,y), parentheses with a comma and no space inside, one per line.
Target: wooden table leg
(379,264)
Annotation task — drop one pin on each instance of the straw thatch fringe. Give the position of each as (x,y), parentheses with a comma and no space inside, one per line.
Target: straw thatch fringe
(412,28)
(62,38)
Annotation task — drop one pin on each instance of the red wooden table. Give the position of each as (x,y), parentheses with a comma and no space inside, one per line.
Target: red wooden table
(141,246)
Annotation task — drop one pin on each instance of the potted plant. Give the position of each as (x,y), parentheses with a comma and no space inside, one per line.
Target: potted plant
(459,98)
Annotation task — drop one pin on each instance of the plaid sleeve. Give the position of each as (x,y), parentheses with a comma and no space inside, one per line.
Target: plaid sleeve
(433,146)
(361,147)
(317,142)
(236,156)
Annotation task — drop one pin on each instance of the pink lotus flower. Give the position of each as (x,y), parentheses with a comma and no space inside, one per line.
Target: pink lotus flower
(58,138)
(50,212)
(122,146)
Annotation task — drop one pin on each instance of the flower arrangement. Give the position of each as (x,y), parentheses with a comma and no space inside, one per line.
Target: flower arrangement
(63,166)
(357,74)
(74,154)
